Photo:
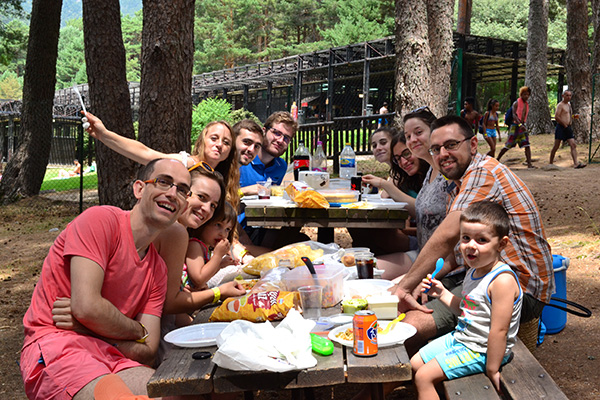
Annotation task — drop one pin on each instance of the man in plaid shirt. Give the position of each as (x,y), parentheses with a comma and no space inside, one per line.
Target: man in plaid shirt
(477,177)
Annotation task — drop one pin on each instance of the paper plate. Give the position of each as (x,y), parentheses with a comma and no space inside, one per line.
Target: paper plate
(200,335)
(272,202)
(397,335)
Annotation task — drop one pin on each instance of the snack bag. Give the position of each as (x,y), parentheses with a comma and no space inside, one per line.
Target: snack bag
(293,252)
(256,307)
(311,199)
(264,262)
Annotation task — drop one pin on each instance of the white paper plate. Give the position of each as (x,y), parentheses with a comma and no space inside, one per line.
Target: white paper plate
(200,335)
(397,335)
(388,205)
(272,202)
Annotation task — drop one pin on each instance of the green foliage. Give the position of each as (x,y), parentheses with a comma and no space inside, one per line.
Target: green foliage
(11,86)
(90,181)
(207,111)
(71,56)
(13,44)
(240,114)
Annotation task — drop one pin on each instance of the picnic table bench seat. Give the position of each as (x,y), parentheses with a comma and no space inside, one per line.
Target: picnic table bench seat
(522,379)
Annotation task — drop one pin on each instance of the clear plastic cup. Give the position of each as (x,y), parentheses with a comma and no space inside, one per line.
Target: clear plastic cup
(310,299)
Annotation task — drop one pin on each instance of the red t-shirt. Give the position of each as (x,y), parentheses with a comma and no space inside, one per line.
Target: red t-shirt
(102,234)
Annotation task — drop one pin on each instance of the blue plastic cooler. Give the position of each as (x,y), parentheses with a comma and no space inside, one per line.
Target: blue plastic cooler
(555,319)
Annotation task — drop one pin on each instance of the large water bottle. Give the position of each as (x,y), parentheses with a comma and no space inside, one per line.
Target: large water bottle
(319,160)
(301,160)
(347,162)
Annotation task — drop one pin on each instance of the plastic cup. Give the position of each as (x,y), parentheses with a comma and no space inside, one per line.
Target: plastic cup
(310,298)
(365,262)
(264,192)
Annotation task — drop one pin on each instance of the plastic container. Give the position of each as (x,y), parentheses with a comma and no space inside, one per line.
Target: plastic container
(315,179)
(347,162)
(339,195)
(555,319)
(385,307)
(319,160)
(329,276)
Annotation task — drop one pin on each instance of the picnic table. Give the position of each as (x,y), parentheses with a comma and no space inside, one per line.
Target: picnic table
(180,374)
(326,219)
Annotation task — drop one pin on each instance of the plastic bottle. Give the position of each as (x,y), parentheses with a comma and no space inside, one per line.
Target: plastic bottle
(319,160)
(294,111)
(347,162)
(301,160)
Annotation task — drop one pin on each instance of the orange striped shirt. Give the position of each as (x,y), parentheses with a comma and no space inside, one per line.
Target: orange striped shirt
(528,252)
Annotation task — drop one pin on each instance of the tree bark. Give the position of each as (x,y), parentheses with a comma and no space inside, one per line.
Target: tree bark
(413,57)
(596,66)
(440,23)
(578,66)
(167,61)
(538,120)
(25,171)
(109,96)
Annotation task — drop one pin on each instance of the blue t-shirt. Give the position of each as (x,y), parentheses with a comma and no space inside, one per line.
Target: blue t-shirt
(256,171)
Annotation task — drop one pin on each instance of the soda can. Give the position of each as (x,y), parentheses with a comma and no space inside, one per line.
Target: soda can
(364,325)
(356,183)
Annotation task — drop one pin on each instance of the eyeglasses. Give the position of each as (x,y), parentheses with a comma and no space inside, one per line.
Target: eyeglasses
(406,154)
(280,135)
(202,164)
(450,145)
(166,183)
(421,109)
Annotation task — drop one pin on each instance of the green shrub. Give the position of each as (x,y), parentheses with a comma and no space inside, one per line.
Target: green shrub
(238,115)
(207,111)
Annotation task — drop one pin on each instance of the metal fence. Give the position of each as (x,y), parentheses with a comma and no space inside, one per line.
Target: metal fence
(594,139)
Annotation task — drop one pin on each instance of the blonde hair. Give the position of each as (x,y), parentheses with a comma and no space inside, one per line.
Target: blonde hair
(229,167)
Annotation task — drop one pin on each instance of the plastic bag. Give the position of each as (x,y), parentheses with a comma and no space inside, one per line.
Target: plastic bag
(244,346)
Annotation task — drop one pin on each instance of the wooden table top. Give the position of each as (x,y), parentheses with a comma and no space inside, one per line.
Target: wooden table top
(180,374)
(325,218)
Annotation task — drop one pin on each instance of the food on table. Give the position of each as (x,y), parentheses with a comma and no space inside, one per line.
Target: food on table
(351,306)
(246,283)
(348,260)
(311,199)
(348,334)
(256,307)
(340,195)
(276,191)
(270,260)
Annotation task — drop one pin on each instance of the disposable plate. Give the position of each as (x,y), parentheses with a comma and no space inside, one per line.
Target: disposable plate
(200,335)
(397,335)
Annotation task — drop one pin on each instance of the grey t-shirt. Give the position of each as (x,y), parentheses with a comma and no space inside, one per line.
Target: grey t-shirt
(430,207)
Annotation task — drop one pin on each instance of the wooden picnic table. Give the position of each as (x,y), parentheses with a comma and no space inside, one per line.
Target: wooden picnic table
(180,374)
(326,219)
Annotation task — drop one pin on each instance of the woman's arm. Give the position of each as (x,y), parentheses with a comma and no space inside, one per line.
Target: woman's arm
(132,149)
(392,190)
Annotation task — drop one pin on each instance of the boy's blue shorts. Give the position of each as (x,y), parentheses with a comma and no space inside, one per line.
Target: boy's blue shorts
(455,359)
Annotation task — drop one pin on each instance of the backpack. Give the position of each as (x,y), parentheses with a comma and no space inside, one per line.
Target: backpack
(508,116)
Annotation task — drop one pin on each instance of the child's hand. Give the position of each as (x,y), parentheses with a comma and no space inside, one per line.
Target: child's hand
(221,248)
(495,378)
(232,289)
(227,261)
(435,287)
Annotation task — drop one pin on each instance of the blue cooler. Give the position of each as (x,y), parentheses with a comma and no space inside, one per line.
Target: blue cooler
(555,319)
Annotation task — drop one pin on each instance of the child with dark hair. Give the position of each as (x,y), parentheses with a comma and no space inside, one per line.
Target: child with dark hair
(489,309)
(491,125)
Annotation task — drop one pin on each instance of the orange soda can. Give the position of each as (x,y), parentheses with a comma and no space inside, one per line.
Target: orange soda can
(364,326)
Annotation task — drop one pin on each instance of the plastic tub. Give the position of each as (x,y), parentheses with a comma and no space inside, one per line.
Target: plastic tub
(330,277)
(555,319)
(385,307)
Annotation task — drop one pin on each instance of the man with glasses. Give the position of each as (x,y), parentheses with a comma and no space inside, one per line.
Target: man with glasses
(477,177)
(97,306)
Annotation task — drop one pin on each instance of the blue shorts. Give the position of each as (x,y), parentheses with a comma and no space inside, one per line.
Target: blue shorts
(455,359)
(490,133)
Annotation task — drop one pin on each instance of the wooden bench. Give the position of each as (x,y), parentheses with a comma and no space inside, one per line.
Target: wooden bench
(522,379)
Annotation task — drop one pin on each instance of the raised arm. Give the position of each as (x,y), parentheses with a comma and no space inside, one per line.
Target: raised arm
(132,149)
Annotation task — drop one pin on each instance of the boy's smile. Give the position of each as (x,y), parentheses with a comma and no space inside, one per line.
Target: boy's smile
(480,246)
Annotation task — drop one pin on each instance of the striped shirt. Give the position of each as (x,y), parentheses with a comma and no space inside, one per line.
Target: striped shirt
(528,252)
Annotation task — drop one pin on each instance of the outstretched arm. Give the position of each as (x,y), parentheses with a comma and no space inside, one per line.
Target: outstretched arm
(132,149)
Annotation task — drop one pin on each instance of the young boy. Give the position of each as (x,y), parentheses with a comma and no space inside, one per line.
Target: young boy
(489,310)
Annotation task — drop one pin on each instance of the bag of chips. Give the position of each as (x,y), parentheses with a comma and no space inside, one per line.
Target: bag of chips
(256,307)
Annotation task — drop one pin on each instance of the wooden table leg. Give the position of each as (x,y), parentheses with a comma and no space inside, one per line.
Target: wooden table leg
(248,395)
(325,235)
(376,391)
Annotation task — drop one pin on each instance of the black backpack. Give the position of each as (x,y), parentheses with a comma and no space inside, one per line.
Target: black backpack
(508,116)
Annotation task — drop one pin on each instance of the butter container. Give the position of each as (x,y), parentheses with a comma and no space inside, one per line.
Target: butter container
(337,196)
(315,179)
(385,307)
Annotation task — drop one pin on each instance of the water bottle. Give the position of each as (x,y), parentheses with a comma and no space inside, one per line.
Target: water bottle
(347,162)
(301,160)
(319,160)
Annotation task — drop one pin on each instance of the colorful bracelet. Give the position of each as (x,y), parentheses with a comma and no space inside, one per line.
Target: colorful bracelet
(143,338)
(243,253)
(240,193)
(217,294)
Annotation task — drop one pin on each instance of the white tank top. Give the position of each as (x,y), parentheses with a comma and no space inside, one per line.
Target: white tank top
(474,323)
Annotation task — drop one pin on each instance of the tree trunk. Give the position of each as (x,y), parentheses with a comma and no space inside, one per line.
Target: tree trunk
(578,67)
(596,67)
(413,57)
(539,120)
(440,15)
(25,171)
(167,61)
(109,96)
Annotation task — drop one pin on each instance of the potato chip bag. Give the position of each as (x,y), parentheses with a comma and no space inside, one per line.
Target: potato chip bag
(311,199)
(256,307)
(261,263)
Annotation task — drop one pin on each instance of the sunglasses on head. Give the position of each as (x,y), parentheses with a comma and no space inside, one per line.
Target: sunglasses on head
(202,164)
(421,109)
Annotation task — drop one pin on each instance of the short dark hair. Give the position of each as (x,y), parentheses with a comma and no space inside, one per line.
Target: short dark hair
(490,214)
(465,128)
(247,124)
(147,170)
(470,100)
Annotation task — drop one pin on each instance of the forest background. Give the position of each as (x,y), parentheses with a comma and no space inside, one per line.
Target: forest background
(230,33)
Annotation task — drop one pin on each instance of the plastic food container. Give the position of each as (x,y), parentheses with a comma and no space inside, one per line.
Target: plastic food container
(330,277)
(339,196)
(385,307)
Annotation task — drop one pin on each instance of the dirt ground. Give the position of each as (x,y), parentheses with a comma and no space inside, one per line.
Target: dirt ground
(566,198)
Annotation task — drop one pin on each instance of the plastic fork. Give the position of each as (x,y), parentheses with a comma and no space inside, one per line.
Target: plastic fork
(391,325)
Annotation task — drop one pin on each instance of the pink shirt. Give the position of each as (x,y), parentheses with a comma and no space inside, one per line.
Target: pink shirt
(102,234)
(520,105)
